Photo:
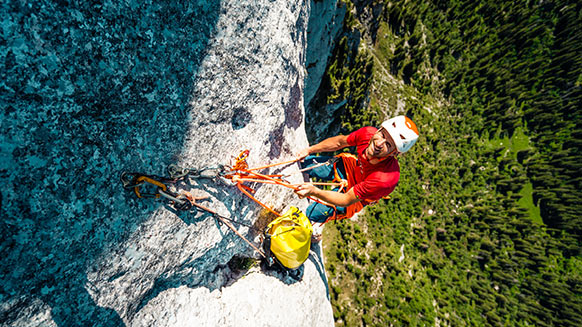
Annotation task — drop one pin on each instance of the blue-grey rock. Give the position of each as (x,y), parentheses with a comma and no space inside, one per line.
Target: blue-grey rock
(89,90)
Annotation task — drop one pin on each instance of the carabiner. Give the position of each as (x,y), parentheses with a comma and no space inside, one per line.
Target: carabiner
(129,180)
(176,172)
(139,181)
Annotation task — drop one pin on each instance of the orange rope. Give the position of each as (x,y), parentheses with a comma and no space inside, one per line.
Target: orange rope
(239,179)
(241,188)
(275,164)
(269,178)
(253,180)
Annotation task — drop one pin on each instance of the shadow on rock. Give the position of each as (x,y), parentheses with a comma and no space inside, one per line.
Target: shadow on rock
(223,275)
(287,276)
(88,90)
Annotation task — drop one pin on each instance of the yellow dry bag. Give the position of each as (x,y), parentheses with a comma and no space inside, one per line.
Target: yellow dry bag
(290,238)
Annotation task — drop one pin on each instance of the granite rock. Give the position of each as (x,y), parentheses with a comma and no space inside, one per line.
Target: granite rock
(90,90)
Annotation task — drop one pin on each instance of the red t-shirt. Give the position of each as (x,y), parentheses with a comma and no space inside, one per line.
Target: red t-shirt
(372,181)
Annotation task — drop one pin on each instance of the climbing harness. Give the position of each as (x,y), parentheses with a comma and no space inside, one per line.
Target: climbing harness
(350,163)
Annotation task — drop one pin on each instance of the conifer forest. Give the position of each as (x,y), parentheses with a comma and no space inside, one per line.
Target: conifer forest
(485,225)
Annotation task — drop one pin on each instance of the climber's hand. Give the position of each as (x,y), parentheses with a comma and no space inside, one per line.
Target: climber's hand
(302,154)
(306,189)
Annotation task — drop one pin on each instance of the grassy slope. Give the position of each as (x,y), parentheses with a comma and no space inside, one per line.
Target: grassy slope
(519,141)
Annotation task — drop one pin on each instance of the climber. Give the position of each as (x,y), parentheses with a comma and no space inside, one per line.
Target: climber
(371,177)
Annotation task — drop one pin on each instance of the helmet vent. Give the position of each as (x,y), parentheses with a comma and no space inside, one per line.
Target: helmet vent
(402,137)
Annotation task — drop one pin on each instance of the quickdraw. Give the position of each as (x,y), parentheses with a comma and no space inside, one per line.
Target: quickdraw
(184,201)
(135,181)
(176,172)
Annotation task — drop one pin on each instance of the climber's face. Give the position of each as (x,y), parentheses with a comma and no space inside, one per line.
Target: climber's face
(381,145)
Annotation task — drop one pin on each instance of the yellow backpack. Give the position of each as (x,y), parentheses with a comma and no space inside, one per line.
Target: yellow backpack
(288,238)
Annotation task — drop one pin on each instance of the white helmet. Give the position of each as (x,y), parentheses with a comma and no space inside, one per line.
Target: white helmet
(403,131)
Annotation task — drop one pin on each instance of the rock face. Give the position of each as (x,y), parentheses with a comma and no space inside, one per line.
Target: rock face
(91,90)
(322,36)
(322,32)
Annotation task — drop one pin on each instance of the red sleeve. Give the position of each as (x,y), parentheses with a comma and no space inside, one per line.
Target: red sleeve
(361,135)
(352,138)
(377,185)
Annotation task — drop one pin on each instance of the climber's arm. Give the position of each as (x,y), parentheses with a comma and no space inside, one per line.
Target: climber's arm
(335,198)
(331,144)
